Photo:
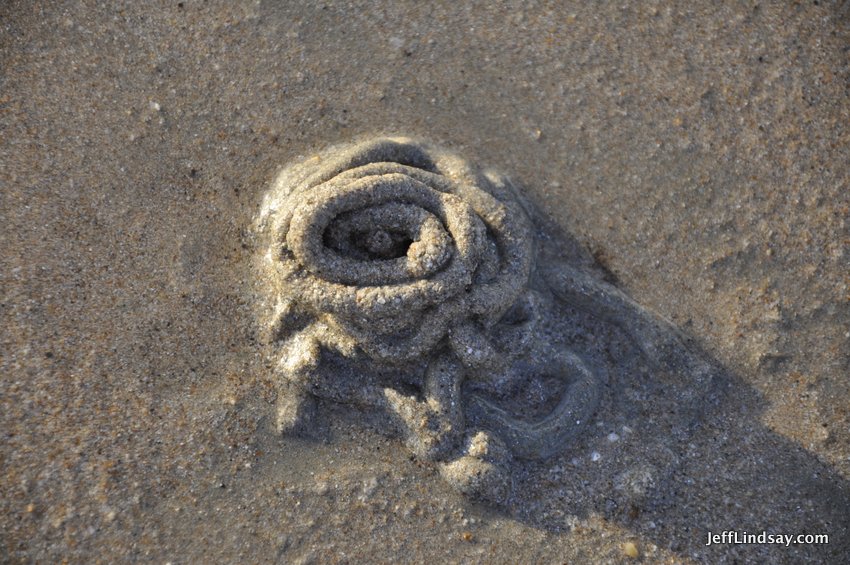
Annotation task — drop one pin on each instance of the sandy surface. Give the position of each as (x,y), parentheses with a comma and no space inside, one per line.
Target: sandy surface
(700,154)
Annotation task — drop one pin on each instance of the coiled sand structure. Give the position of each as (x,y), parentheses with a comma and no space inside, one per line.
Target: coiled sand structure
(392,257)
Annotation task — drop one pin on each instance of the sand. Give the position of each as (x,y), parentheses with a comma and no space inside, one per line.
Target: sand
(698,154)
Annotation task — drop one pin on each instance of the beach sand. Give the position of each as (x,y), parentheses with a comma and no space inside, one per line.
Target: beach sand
(700,154)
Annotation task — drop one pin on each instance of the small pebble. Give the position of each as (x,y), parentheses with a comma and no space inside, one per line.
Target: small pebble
(630,549)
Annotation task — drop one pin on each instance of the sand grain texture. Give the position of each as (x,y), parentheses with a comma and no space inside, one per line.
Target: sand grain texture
(697,153)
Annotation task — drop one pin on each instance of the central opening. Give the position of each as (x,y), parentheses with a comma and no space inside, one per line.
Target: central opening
(378,243)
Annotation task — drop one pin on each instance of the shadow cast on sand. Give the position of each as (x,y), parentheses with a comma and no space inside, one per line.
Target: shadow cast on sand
(729,474)
(676,452)
(638,426)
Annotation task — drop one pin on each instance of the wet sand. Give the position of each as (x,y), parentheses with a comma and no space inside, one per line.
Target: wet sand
(697,154)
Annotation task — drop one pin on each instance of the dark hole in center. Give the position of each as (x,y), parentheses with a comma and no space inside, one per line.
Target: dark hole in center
(381,244)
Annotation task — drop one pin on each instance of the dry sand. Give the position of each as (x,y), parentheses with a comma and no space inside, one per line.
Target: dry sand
(700,153)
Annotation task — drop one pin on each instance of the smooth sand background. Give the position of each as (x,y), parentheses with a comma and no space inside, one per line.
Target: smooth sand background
(701,153)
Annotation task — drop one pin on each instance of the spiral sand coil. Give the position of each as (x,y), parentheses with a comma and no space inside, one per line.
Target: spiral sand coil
(401,278)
